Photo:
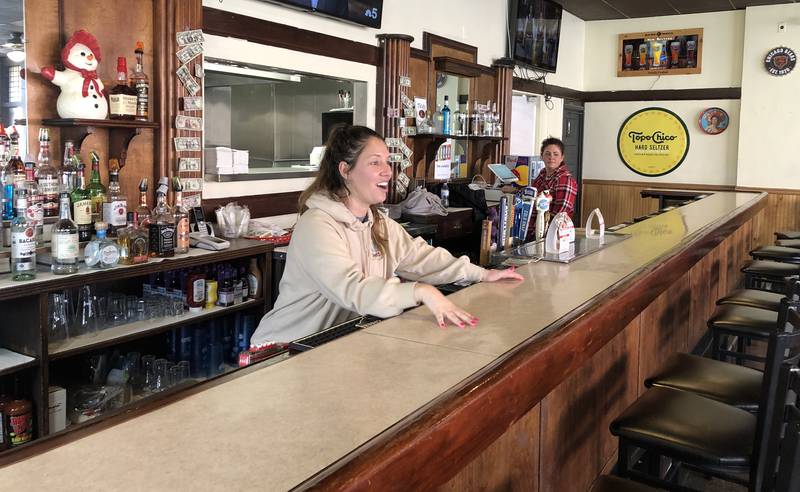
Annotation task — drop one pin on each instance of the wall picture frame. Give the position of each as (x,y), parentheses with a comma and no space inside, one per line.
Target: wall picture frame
(673,52)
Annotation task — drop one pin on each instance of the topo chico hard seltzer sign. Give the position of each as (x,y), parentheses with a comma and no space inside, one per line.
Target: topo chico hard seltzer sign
(653,141)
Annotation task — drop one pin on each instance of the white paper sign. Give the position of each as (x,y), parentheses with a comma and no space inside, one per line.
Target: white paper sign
(442,169)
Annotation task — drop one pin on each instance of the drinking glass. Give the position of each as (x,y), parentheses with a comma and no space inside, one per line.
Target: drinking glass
(57,321)
(628,55)
(177,307)
(140,311)
(185,369)
(116,309)
(148,371)
(102,311)
(130,309)
(161,381)
(175,375)
(86,318)
(132,366)
(152,308)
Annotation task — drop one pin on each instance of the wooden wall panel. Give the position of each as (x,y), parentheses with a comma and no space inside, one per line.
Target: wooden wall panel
(618,202)
(575,442)
(511,463)
(702,300)
(664,327)
(782,213)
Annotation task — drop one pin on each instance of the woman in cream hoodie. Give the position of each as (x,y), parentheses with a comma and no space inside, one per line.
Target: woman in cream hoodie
(347,259)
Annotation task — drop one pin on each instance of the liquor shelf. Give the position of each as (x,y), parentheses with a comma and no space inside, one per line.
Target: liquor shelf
(11,361)
(130,331)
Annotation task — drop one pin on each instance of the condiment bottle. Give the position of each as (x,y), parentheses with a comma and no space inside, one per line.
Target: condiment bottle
(4,399)
(18,421)
(254,279)
(196,291)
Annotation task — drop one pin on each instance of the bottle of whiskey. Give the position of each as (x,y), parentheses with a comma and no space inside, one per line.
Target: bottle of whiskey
(23,242)
(123,241)
(143,211)
(65,240)
(47,176)
(116,205)
(140,84)
(82,205)
(181,219)
(97,192)
(69,173)
(139,242)
(121,97)
(162,224)
(34,210)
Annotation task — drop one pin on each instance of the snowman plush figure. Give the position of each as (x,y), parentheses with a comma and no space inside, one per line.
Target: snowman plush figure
(81,89)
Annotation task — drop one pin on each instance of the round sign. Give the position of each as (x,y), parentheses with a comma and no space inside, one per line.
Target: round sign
(714,121)
(653,141)
(780,61)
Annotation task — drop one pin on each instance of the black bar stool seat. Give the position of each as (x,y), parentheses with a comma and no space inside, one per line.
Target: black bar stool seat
(788,243)
(773,269)
(747,321)
(754,298)
(608,483)
(690,427)
(777,253)
(727,383)
(787,234)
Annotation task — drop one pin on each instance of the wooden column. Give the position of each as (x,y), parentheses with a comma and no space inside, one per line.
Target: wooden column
(504,70)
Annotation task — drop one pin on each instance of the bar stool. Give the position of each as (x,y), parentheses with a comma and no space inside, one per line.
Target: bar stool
(777,253)
(716,439)
(788,243)
(768,275)
(787,235)
(760,298)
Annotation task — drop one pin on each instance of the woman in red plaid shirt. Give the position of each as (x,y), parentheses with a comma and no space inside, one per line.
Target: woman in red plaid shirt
(555,177)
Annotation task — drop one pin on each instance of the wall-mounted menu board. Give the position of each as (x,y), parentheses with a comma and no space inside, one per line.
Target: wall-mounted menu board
(675,52)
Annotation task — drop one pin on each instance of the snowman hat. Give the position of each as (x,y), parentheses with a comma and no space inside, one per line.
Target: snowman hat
(85,38)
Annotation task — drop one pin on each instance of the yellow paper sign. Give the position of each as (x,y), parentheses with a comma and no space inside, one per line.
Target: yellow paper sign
(653,141)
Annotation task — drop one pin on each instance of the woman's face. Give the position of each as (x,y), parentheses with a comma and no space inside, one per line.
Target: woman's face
(552,157)
(368,179)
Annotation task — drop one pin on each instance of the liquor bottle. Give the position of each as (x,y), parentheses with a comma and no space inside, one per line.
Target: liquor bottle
(124,243)
(101,252)
(82,206)
(476,119)
(121,97)
(488,121)
(115,206)
(97,191)
(461,118)
(65,240)
(143,211)
(446,123)
(438,120)
(181,219)
(138,242)
(140,84)
(35,210)
(498,122)
(6,179)
(445,195)
(69,172)
(47,176)
(23,241)
(162,224)
(15,162)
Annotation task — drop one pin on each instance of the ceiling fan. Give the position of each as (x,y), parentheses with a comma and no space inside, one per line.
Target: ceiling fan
(14,47)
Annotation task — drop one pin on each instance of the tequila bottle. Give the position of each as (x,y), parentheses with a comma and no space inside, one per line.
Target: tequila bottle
(82,205)
(181,219)
(69,172)
(140,84)
(65,240)
(162,224)
(143,211)
(47,175)
(97,191)
(101,252)
(116,205)
(23,242)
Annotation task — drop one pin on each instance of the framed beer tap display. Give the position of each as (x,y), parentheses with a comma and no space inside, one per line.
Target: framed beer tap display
(676,52)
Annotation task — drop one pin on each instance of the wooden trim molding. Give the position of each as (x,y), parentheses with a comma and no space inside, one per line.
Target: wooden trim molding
(664,95)
(458,67)
(437,441)
(534,87)
(428,39)
(222,23)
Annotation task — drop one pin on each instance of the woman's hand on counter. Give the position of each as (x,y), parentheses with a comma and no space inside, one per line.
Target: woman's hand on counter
(495,275)
(443,309)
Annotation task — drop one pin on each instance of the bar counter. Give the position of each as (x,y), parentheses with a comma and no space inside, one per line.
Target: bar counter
(406,405)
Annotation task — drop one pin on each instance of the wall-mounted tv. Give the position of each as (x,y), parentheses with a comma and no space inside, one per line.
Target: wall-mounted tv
(535,28)
(365,12)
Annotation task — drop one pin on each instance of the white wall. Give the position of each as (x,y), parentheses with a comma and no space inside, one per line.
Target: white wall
(711,158)
(770,126)
(723,35)
(254,53)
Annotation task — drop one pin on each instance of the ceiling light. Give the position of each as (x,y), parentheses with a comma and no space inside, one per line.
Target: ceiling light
(16,56)
(251,72)
(14,41)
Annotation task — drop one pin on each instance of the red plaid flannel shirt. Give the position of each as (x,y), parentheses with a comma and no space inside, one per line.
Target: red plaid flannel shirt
(563,188)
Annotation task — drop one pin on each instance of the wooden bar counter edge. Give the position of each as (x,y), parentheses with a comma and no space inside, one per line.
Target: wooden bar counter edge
(521,401)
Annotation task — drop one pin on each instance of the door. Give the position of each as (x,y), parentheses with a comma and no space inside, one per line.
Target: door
(573,151)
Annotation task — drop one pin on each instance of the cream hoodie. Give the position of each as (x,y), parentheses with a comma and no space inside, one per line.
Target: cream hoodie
(334,272)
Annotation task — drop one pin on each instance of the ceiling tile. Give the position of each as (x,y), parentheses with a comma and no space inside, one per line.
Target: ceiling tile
(590,10)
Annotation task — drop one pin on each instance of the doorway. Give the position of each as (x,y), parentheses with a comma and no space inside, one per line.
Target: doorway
(572,133)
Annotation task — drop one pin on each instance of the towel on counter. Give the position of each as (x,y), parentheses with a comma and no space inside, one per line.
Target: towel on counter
(423,202)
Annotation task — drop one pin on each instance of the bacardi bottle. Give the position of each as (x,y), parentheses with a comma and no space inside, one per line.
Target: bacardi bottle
(141,84)
(115,207)
(47,176)
(23,242)
(65,240)
(82,206)
(162,224)
(181,219)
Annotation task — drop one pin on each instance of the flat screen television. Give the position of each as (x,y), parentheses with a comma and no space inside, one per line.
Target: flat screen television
(365,12)
(535,29)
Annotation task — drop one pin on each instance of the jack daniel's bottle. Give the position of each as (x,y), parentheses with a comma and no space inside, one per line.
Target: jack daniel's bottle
(162,224)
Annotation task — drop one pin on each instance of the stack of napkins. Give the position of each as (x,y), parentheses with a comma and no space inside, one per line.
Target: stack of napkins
(221,158)
(241,161)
